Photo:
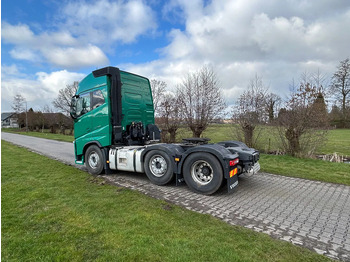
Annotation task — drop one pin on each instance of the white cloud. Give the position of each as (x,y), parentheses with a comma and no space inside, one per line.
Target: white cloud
(72,57)
(38,92)
(59,49)
(277,40)
(17,34)
(294,40)
(7,70)
(55,81)
(101,22)
(178,48)
(25,54)
(86,27)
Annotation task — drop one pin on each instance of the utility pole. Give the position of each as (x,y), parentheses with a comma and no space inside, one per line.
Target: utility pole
(26,116)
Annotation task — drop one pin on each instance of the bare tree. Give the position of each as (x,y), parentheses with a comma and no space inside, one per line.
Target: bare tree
(158,89)
(303,124)
(19,106)
(201,99)
(272,104)
(320,80)
(50,118)
(63,100)
(32,119)
(341,85)
(170,117)
(63,103)
(18,103)
(336,117)
(41,120)
(250,110)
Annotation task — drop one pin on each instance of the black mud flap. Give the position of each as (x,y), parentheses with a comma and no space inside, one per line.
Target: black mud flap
(108,171)
(232,183)
(180,180)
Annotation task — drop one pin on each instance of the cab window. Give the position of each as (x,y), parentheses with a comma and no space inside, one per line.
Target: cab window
(97,99)
(83,104)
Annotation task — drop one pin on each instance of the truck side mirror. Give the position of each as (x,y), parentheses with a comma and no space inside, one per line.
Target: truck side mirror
(73,107)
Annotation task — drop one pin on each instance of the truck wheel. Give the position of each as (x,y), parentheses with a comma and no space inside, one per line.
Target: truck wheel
(94,160)
(158,167)
(203,173)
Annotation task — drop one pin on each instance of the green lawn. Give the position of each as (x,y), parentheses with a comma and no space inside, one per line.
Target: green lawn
(54,212)
(337,140)
(312,169)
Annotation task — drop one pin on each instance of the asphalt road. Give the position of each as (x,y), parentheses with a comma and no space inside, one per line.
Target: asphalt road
(312,214)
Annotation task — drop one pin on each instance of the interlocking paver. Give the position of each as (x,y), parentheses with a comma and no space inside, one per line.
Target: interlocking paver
(298,217)
(308,213)
(295,217)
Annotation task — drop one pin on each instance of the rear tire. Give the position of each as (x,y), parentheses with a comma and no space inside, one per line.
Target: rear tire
(203,173)
(94,160)
(158,167)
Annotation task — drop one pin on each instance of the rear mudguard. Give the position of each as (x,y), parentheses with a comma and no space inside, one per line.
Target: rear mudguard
(222,154)
(175,152)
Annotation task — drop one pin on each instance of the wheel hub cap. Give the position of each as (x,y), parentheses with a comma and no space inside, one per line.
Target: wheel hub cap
(158,166)
(94,160)
(202,172)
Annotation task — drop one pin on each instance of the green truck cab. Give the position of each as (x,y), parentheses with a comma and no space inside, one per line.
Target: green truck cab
(107,108)
(114,129)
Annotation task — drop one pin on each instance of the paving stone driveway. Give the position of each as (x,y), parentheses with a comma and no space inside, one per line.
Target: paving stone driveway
(312,214)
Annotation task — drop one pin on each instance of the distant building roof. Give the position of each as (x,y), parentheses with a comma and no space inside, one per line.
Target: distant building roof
(5,116)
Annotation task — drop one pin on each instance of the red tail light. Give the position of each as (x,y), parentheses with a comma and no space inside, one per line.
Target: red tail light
(234,162)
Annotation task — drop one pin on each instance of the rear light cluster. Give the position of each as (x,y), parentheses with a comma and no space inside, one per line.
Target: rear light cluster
(234,162)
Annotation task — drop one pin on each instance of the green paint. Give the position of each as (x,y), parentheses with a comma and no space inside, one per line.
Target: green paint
(94,124)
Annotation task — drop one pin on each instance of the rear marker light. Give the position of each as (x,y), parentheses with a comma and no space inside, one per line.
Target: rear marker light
(233,172)
(234,162)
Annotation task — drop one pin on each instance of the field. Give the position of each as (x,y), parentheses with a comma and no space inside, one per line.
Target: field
(306,168)
(337,140)
(67,215)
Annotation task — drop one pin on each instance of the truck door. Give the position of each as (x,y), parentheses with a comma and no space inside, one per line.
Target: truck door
(100,118)
(83,121)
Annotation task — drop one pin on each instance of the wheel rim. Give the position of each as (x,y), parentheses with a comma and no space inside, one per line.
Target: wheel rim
(202,172)
(158,166)
(94,160)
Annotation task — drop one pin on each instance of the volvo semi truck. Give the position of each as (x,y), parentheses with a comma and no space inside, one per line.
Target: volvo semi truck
(114,129)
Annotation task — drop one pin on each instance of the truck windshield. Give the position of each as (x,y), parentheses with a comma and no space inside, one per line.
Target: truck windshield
(80,105)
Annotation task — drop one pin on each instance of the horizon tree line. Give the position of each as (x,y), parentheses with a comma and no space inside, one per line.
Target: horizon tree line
(198,101)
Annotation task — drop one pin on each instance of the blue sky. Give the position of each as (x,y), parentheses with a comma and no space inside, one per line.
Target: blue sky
(48,44)
(51,16)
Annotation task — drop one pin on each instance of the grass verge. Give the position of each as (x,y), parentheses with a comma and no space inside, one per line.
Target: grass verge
(47,135)
(306,168)
(54,212)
